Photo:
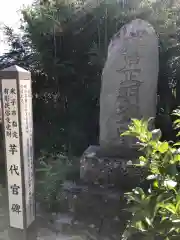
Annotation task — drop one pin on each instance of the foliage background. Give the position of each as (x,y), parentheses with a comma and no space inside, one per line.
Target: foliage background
(64,45)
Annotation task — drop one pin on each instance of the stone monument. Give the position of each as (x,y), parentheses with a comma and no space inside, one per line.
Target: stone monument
(129,81)
(128,90)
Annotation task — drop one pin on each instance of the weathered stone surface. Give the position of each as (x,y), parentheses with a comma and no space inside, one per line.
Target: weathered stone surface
(129,81)
(96,168)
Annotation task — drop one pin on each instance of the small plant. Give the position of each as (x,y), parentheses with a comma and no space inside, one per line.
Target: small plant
(52,171)
(155,212)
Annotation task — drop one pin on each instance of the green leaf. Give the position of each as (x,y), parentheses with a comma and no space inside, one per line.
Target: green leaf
(176,144)
(169,206)
(177,158)
(176,112)
(178,206)
(178,134)
(128,233)
(163,147)
(142,159)
(165,196)
(139,191)
(136,122)
(140,226)
(126,133)
(133,197)
(148,221)
(141,164)
(164,226)
(177,121)
(176,220)
(155,184)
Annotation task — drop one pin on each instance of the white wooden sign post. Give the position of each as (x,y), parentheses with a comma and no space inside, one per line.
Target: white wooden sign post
(18,138)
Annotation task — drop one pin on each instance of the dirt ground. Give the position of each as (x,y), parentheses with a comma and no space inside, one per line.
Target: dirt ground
(93,214)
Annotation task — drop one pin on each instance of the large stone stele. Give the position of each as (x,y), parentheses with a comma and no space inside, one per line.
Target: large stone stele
(129,81)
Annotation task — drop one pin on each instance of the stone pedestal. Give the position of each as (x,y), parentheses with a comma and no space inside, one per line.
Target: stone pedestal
(101,166)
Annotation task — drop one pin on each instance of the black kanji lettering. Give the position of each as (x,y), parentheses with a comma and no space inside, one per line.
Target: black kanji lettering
(13,102)
(8,133)
(8,120)
(15,189)
(6,98)
(14,168)
(15,135)
(16,208)
(8,127)
(7,113)
(12,148)
(13,113)
(14,124)
(13,91)
(6,105)
(6,91)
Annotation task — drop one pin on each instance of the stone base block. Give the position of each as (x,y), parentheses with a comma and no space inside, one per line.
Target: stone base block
(97,166)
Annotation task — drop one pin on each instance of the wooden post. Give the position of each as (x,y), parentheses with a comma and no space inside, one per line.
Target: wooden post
(16,101)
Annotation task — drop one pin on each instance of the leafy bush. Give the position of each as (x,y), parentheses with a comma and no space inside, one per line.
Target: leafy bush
(156,211)
(52,171)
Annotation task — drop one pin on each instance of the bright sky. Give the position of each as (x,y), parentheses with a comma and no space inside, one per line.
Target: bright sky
(10,15)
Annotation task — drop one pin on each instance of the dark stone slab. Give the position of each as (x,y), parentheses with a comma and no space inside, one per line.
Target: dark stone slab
(98,165)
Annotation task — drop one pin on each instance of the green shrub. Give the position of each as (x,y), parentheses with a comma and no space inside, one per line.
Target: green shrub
(51,172)
(155,212)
